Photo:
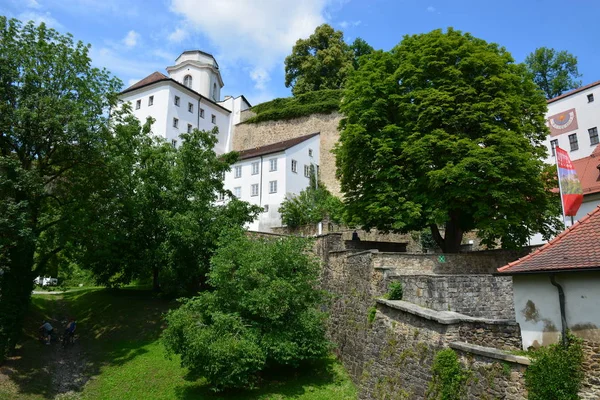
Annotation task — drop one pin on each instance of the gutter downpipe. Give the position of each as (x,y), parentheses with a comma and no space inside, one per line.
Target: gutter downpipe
(563,315)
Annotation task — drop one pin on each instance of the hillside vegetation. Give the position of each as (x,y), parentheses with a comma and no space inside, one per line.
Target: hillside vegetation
(318,102)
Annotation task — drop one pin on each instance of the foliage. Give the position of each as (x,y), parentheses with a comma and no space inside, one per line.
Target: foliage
(556,371)
(156,210)
(318,102)
(322,61)
(446,130)
(395,291)
(427,241)
(448,377)
(311,205)
(53,129)
(372,313)
(555,72)
(263,312)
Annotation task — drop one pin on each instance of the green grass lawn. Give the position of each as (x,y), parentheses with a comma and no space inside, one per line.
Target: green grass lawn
(123,358)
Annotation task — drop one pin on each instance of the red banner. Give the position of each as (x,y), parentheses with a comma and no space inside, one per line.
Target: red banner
(570,187)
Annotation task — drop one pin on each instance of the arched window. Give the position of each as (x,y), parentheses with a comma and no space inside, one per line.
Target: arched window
(215,92)
(187,81)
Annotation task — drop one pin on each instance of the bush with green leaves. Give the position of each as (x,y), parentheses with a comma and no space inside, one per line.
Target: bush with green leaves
(556,371)
(395,291)
(263,311)
(317,102)
(449,377)
(311,205)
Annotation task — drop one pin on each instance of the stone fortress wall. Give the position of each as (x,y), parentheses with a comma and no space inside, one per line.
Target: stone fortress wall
(450,300)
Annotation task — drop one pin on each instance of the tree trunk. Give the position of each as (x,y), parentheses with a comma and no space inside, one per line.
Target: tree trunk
(155,284)
(453,235)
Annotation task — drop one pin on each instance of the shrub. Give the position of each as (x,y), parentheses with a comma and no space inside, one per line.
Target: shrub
(449,377)
(317,102)
(556,371)
(263,311)
(394,291)
(372,313)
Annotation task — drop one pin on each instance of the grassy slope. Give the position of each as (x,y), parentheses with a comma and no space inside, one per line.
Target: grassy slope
(119,331)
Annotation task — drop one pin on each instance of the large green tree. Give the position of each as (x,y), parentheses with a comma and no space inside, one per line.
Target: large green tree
(53,126)
(446,130)
(555,72)
(264,310)
(322,61)
(156,213)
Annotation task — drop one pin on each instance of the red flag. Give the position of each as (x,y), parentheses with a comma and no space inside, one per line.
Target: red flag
(570,187)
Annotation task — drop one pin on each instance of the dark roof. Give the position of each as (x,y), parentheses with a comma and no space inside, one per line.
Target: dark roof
(245,99)
(575,249)
(588,171)
(274,148)
(156,77)
(572,92)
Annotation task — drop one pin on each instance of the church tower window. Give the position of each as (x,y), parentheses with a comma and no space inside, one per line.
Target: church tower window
(187,81)
(215,92)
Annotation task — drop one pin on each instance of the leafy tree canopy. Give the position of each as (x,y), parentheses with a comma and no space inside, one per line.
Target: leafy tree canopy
(53,130)
(312,205)
(322,61)
(263,311)
(446,130)
(555,72)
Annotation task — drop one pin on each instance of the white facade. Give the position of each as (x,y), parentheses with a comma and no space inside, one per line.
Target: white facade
(187,99)
(537,306)
(254,179)
(585,103)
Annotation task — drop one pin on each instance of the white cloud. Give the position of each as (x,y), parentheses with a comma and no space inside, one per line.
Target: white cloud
(165,55)
(38,18)
(123,64)
(259,33)
(131,39)
(178,35)
(32,4)
(132,82)
(431,9)
(344,24)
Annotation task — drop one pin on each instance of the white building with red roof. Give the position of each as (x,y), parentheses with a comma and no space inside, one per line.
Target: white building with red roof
(557,287)
(188,98)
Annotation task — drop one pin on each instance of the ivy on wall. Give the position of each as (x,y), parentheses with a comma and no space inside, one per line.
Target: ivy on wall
(449,378)
(318,102)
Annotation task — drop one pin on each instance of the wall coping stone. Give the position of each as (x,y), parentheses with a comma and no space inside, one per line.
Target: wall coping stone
(490,352)
(442,317)
(400,273)
(358,253)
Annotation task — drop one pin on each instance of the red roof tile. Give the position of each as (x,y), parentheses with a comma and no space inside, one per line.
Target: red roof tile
(274,148)
(153,77)
(588,172)
(572,92)
(574,249)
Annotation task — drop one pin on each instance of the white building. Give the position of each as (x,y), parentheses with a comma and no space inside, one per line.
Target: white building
(556,287)
(264,176)
(188,98)
(574,120)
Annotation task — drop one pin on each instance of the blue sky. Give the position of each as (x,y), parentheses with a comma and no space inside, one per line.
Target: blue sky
(250,38)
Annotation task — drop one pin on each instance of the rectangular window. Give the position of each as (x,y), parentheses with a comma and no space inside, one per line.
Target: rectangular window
(273,187)
(138,104)
(190,107)
(573,142)
(553,146)
(177,101)
(189,130)
(593,135)
(150,100)
(255,168)
(294,166)
(202,113)
(273,164)
(174,143)
(221,196)
(254,188)
(590,97)
(175,123)
(237,172)
(237,192)
(310,152)
(213,118)
(307,171)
